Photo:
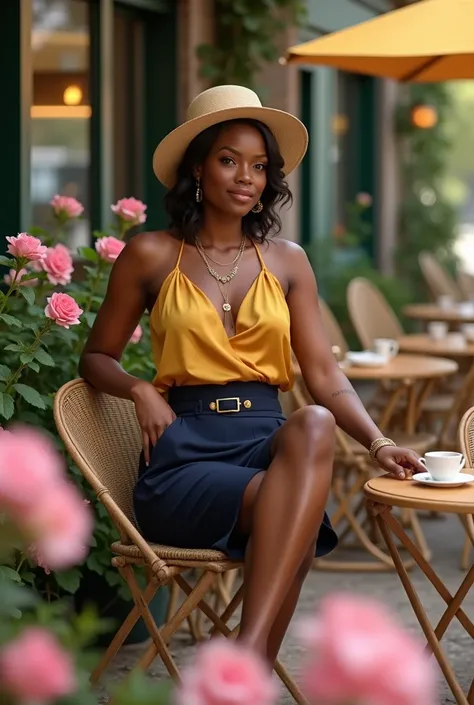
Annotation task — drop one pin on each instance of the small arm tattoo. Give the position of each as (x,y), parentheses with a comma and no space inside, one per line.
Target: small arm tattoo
(343,391)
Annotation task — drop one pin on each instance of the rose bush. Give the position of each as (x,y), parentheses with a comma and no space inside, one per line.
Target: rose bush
(46,310)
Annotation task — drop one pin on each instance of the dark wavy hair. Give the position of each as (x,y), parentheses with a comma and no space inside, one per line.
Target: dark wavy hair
(186,214)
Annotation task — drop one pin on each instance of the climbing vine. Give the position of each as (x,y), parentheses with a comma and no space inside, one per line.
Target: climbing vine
(245,34)
(426,219)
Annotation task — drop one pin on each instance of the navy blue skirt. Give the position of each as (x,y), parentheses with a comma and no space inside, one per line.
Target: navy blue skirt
(191,493)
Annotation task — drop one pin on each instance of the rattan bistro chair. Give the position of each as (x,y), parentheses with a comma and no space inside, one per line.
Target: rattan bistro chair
(102,436)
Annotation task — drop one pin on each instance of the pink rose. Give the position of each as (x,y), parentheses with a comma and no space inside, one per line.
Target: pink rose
(34,668)
(8,278)
(62,524)
(66,207)
(109,248)
(58,265)
(63,310)
(364,199)
(136,335)
(27,247)
(358,653)
(22,479)
(225,673)
(35,494)
(131,210)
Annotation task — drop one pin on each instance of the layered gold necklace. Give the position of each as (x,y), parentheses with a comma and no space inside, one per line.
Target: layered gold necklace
(223,280)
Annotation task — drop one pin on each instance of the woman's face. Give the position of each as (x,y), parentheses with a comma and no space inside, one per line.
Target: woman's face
(233,175)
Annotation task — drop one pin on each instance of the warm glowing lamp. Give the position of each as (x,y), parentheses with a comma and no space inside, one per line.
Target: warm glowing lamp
(72,95)
(424,116)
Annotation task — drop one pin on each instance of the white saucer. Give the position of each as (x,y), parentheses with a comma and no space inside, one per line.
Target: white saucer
(366,358)
(424,478)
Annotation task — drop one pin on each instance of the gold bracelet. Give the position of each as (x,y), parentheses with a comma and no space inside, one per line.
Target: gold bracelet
(376,445)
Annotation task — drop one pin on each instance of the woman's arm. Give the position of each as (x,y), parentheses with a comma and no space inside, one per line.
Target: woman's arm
(118,317)
(324,379)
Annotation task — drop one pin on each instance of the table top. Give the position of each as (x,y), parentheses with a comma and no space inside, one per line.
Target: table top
(453,345)
(459,313)
(407,493)
(401,367)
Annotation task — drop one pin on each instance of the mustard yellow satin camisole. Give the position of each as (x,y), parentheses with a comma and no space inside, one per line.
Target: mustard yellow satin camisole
(191,346)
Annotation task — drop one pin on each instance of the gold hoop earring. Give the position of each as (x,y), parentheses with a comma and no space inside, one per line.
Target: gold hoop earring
(198,190)
(258,207)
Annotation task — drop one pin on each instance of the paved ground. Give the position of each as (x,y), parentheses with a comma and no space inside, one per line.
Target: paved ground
(445,537)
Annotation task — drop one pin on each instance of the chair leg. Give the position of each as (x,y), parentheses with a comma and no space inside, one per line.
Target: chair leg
(225,631)
(122,633)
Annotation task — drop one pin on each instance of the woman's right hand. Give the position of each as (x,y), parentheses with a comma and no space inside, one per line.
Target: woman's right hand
(153,413)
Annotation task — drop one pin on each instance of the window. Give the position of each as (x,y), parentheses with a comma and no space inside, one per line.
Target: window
(60,114)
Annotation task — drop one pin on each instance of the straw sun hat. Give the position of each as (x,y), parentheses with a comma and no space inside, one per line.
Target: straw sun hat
(228,103)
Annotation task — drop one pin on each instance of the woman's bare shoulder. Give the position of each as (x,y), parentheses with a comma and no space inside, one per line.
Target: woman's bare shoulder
(151,249)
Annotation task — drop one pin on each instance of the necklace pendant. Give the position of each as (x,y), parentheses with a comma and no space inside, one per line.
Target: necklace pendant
(226,307)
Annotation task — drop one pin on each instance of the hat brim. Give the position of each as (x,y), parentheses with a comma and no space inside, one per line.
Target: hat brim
(290,134)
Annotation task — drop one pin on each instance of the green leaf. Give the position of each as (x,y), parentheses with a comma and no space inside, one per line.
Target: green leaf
(69,580)
(27,294)
(89,318)
(14,347)
(4,371)
(88,253)
(7,406)
(34,366)
(7,262)
(30,395)
(7,573)
(26,358)
(11,320)
(44,358)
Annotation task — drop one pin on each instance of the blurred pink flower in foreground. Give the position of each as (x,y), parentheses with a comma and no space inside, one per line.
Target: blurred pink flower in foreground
(35,669)
(8,278)
(63,310)
(26,247)
(358,653)
(225,673)
(35,493)
(62,524)
(109,248)
(58,264)
(66,207)
(364,199)
(136,335)
(131,210)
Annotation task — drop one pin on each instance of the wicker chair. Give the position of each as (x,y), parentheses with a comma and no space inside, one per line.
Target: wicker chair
(373,317)
(466,442)
(465,282)
(102,436)
(370,313)
(437,279)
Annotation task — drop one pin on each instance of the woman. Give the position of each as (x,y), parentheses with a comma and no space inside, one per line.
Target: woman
(221,468)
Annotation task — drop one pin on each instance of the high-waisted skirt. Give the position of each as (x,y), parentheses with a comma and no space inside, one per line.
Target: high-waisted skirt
(191,493)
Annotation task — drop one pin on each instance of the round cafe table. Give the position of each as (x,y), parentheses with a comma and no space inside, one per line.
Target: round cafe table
(414,376)
(457,314)
(454,345)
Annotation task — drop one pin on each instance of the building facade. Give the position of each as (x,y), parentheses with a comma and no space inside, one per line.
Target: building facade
(93,85)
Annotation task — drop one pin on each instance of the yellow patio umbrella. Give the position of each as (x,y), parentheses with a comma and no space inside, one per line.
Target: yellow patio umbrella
(429,40)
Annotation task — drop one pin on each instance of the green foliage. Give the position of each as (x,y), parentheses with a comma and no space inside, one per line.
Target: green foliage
(38,357)
(427,218)
(245,33)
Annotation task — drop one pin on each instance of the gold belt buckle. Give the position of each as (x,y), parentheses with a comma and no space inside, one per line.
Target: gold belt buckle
(228,411)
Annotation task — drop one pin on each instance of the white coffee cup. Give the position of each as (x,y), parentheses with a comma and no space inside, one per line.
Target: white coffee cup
(443,465)
(386,347)
(446,301)
(437,330)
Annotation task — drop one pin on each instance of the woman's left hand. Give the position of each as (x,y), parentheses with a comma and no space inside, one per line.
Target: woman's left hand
(402,463)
